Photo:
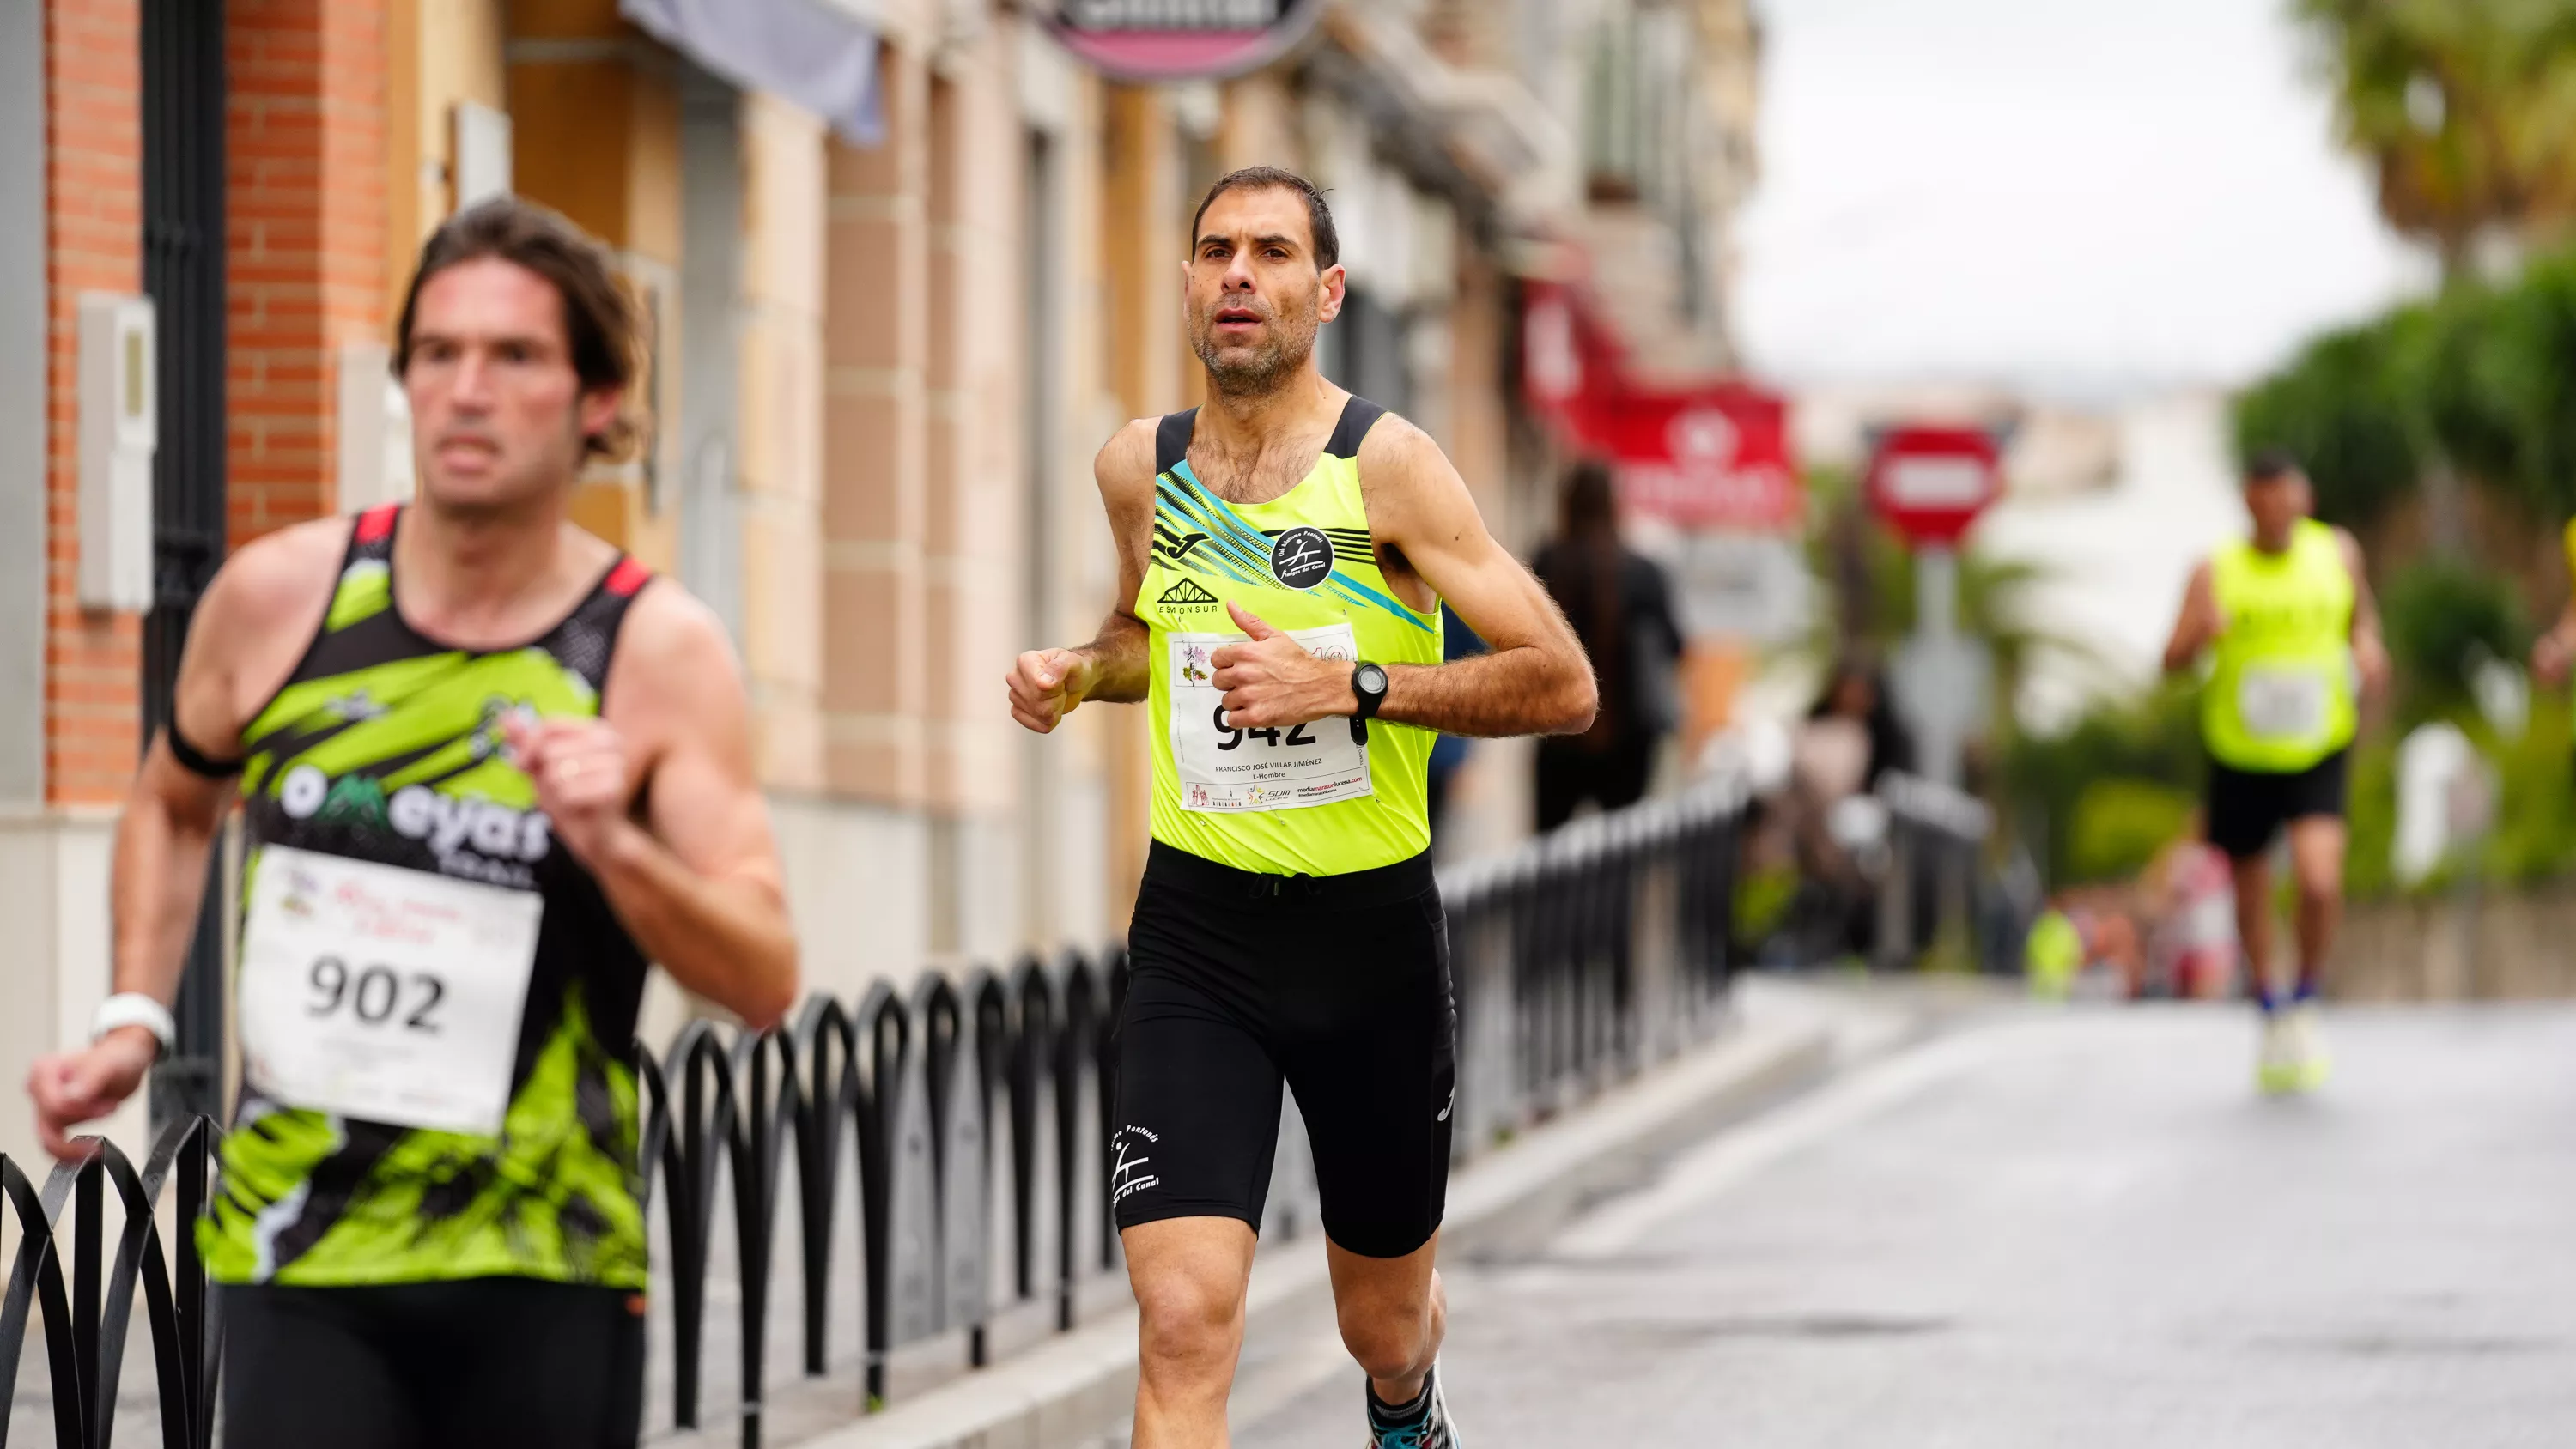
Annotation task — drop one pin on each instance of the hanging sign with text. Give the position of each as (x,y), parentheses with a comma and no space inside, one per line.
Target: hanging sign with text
(1161,40)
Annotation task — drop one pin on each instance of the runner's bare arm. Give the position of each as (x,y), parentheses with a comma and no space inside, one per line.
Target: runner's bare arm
(2369,653)
(2196,625)
(1536,680)
(1047,684)
(693,873)
(2554,652)
(270,591)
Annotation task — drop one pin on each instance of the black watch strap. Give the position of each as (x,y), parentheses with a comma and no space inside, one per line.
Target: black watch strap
(1368,700)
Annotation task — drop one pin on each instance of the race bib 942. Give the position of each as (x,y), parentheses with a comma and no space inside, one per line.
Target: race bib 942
(1224,769)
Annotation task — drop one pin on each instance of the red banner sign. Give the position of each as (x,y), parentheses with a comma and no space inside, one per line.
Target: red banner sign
(1714,457)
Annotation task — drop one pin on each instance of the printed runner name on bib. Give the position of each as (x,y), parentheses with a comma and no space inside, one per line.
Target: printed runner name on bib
(1224,769)
(2280,704)
(384,994)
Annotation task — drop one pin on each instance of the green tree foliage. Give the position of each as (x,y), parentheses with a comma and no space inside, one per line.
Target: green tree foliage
(2503,399)
(2119,825)
(2441,619)
(2483,375)
(2147,748)
(2350,407)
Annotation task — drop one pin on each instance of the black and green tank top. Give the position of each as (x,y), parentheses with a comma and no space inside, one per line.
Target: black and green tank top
(386,747)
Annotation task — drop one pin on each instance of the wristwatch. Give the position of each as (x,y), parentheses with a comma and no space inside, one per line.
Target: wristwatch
(1368,686)
(133,1008)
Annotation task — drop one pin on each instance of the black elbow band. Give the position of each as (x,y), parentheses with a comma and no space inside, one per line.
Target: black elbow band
(196,761)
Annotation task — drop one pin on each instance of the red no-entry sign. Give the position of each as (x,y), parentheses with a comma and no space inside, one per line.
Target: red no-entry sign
(1930,483)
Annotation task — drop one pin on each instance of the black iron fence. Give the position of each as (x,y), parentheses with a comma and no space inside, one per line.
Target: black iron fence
(971,1115)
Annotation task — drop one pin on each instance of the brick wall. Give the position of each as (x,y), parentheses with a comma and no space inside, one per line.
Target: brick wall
(93,242)
(305,199)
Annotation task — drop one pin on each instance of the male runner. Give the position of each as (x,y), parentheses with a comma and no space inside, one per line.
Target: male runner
(1283,554)
(2289,617)
(489,769)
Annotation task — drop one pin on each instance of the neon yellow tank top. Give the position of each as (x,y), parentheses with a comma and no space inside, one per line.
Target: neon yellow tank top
(2280,694)
(1306,801)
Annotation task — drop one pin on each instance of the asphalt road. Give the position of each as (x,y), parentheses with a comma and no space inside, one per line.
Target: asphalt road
(2054,1230)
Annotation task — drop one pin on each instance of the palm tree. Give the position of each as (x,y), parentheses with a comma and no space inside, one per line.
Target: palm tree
(2462,109)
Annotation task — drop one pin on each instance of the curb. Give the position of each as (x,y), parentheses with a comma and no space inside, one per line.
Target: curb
(1080,1384)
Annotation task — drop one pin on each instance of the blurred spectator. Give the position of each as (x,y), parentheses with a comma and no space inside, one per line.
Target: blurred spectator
(2191,895)
(1853,713)
(1621,607)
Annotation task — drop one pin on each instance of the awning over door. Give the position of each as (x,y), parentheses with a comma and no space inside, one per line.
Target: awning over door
(814,53)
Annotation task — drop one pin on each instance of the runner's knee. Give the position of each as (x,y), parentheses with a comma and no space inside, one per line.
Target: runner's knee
(1191,1322)
(1388,1339)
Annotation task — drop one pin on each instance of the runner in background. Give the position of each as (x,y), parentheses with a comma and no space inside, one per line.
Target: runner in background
(2287,618)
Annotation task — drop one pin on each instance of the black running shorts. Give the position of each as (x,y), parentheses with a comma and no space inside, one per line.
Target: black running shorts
(1336,985)
(490,1363)
(2247,808)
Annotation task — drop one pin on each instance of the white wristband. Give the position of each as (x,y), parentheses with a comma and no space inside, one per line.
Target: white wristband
(132,1008)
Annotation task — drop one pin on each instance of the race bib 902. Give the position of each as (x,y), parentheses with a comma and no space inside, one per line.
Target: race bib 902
(1225,769)
(384,994)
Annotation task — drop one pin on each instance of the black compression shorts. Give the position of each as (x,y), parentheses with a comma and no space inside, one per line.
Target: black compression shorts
(490,1363)
(2247,808)
(1336,985)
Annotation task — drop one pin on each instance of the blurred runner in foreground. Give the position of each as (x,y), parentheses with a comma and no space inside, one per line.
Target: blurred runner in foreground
(2288,618)
(489,768)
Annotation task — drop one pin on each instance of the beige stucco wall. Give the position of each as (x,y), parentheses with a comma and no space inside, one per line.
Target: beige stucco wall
(779,443)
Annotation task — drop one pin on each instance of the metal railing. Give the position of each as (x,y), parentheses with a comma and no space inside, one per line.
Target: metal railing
(975,1113)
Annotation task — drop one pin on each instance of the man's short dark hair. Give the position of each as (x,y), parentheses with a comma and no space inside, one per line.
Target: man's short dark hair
(599,321)
(2270,463)
(1319,217)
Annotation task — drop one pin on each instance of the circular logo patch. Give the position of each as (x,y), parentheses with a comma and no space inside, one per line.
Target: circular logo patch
(1301,558)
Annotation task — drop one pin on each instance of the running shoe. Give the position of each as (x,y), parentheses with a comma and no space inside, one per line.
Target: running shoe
(2310,1064)
(2276,1064)
(1431,1431)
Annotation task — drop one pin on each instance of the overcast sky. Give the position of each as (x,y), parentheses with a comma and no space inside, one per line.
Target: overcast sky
(2079,196)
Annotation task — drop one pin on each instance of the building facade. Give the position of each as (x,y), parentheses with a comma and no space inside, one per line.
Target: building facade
(889,329)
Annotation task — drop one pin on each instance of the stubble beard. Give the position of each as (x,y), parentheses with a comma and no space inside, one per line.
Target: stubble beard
(1265,371)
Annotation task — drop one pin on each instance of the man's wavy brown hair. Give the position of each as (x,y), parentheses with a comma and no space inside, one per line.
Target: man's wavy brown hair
(599,317)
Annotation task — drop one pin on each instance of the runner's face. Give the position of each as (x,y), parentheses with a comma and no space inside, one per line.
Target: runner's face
(1254,295)
(2278,503)
(498,413)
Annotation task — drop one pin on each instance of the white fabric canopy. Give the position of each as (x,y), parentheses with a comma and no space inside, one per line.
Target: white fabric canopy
(809,52)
